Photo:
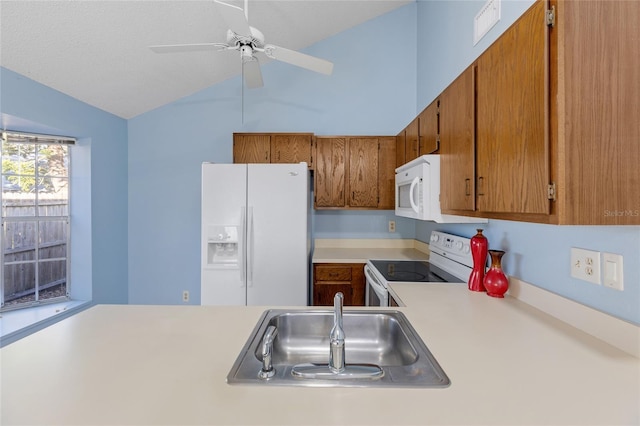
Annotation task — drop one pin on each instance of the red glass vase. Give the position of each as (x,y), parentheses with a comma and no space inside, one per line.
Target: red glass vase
(496,282)
(479,245)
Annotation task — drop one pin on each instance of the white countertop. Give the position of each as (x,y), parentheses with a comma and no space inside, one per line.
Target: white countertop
(359,251)
(508,363)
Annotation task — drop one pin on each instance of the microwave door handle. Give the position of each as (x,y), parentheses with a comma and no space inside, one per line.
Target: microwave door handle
(414,205)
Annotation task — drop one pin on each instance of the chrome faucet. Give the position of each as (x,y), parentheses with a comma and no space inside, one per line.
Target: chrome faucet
(267,370)
(336,337)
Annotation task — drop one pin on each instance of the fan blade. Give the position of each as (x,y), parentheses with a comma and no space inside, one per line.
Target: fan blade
(299,59)
(197,47)
(235,18)
(252,73)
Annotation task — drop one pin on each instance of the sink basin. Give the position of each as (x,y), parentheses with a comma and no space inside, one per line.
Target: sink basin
(381,338)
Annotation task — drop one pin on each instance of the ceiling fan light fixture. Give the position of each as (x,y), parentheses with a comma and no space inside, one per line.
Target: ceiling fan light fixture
(246,52)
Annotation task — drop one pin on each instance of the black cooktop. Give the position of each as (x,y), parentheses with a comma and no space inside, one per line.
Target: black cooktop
(413,271)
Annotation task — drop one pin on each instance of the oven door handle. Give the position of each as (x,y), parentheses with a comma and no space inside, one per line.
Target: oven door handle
(371,278)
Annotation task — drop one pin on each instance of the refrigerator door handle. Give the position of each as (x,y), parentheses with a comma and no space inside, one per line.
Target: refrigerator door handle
(250,245)
(241,251)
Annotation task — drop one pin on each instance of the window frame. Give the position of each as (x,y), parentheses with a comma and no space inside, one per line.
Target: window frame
(38,140)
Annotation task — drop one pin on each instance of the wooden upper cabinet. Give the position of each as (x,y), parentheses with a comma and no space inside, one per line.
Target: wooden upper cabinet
(428,129)
(329,174)
(457,144)
(412,140)
(512,145)
(355,172)
(292,148)
(363,172)
(387,172)
(273,148)
(400,148)
(598,110)
(556,126)
(251,148)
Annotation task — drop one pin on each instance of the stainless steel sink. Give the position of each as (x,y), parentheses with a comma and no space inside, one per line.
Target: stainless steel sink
(382,338)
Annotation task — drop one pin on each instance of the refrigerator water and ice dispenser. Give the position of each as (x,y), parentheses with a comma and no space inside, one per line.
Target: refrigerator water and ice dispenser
(223,246)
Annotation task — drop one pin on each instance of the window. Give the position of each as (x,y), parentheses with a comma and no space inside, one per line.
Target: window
(35,236)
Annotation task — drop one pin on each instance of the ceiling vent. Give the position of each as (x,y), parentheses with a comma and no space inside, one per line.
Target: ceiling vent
(486,18)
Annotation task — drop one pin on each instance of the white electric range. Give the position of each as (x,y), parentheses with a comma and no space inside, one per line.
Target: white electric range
(450,261)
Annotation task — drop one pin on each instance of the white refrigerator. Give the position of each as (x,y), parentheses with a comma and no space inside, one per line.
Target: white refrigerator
(255,234)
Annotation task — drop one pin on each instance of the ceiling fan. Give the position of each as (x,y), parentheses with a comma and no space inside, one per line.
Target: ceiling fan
(248,41)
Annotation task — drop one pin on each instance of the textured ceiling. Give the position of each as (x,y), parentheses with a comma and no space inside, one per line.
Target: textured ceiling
(97,51)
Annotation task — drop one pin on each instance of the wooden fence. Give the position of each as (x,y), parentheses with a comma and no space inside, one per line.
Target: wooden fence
(20,247)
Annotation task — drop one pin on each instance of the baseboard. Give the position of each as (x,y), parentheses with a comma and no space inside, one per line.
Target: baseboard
(617,332)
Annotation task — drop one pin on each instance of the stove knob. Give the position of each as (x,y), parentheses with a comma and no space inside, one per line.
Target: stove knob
(466,248)
(459,245)
(434,238)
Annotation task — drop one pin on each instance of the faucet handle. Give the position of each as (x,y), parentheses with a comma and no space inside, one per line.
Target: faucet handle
(267,370)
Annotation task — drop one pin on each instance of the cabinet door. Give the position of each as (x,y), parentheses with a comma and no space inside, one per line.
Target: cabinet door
(249,148)
(363,172)
(291,148)
(358,284)
(457,144)
(598,123)
(324,292)
(428,129)
(400,148)
(512,144)
(329,174)
(412,143)
(330,278)
(386,172)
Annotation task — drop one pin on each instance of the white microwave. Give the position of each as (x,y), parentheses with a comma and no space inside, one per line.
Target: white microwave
(418,192)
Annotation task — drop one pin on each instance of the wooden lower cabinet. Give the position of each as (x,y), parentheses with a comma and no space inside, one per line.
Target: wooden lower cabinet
(330,278)
(393,302)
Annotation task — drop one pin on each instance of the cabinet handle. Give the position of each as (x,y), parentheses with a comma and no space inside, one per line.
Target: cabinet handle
(278,156)
(467,187)
(266,155)
(481,185)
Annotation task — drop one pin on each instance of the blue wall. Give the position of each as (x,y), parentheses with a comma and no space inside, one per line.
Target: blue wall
(538,254)
(145,245)
(100,169)
(371,92)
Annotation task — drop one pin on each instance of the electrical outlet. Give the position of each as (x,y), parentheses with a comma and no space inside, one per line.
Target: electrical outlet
(585,265)
(612,271)
(392,226)
(185,296)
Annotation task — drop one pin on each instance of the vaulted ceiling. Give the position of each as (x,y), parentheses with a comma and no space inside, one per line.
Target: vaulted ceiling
(98,51)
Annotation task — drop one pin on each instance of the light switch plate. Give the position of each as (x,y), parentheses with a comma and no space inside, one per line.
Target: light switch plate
(585,265)
(612,271)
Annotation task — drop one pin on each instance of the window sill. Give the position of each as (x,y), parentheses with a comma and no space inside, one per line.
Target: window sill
(15,325)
